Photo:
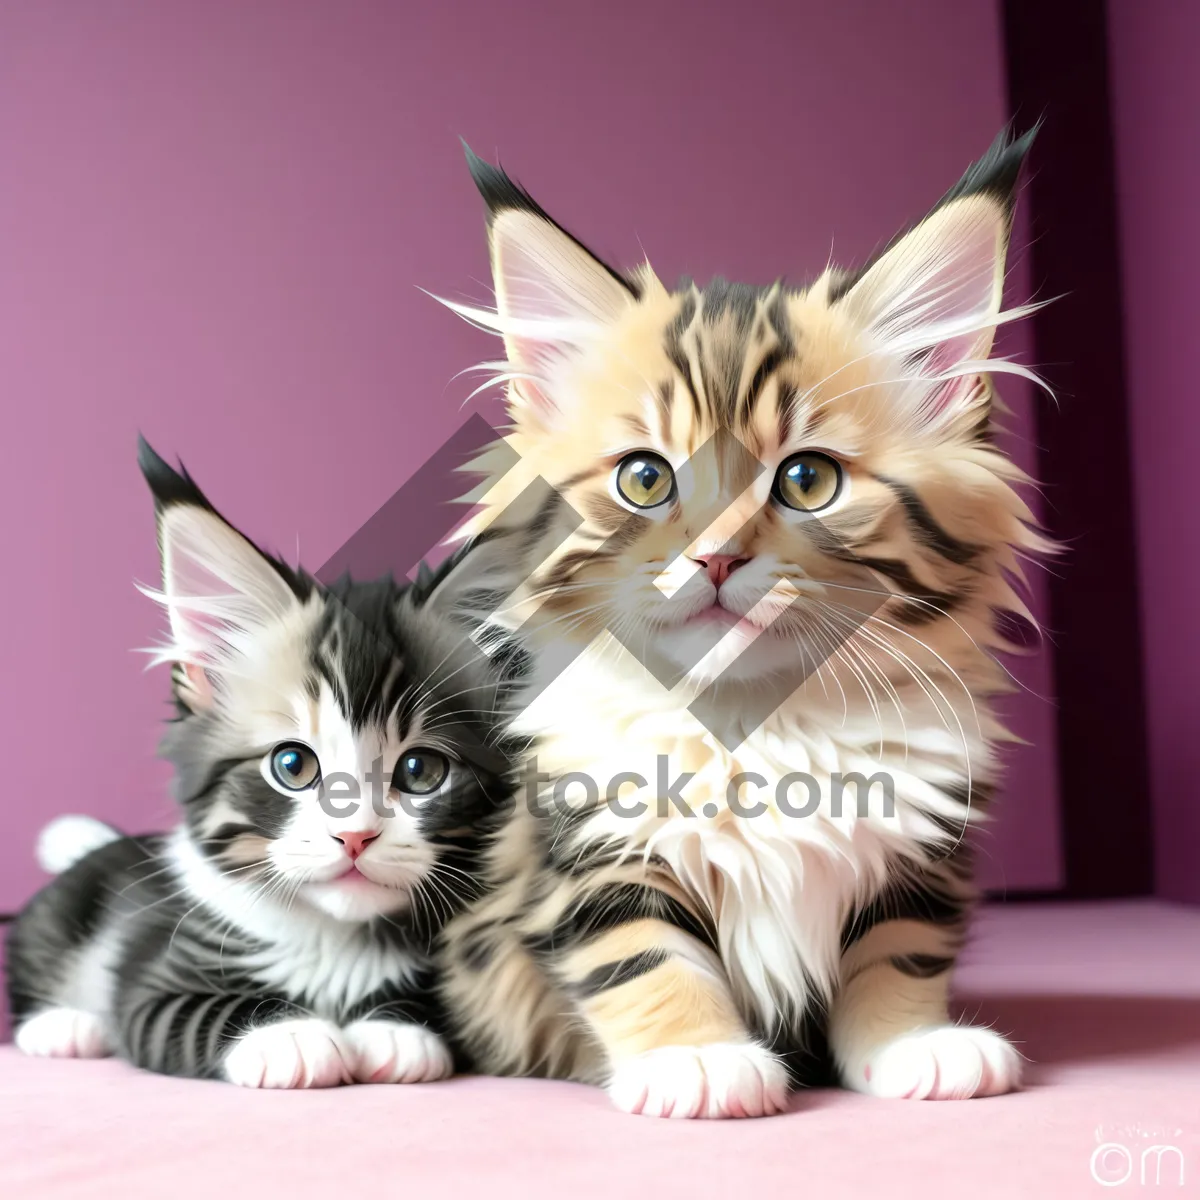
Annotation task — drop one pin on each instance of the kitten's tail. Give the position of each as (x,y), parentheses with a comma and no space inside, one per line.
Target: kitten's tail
(68,839)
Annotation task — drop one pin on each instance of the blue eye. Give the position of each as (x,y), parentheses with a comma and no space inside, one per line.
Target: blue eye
(420,772)
(294,766)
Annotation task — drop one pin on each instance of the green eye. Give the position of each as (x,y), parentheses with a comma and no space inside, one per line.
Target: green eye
(295,766)
(420,772)
(645,480)
(808,482)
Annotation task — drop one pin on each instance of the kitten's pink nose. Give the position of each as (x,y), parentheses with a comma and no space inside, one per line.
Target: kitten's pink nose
(355,843)
(720,566)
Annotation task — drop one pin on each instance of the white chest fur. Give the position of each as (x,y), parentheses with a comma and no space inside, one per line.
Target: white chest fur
(780,872)
(305,953)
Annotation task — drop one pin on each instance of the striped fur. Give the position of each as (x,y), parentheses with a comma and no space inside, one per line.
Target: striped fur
(272,940)
(698,960)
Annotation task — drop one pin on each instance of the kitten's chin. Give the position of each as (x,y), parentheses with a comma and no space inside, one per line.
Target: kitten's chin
(746,653)
(354,898)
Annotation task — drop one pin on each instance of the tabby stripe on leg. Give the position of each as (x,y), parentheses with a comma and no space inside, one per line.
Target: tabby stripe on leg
(616,904)
(613,974)
(671,1005)
(410,1005)
(643,984)
(922,966)
(188,1034)
(932,901)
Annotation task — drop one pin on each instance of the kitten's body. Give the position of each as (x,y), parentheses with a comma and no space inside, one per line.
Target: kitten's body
(280,936)
(694,961)
(143,949)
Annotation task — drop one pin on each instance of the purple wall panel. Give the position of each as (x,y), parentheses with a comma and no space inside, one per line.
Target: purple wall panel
(1156,120)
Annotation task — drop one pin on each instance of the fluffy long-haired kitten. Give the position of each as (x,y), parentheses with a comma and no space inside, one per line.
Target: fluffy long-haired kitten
(763,591)
(282,935)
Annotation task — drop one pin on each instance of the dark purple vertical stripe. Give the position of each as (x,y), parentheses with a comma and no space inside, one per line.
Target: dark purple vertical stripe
(1156,127)
(1058,68)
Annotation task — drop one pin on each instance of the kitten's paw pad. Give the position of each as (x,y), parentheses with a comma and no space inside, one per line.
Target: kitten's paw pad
(725,1079)
(63,1033)
(393,1052)
(302,1053)
(948,1062)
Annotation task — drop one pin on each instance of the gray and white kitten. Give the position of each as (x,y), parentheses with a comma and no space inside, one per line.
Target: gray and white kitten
(265,940)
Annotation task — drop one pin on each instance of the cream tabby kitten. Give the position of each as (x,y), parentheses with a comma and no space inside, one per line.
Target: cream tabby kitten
(772,555)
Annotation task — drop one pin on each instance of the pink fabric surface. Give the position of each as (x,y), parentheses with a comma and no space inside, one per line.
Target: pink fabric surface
(1104,998)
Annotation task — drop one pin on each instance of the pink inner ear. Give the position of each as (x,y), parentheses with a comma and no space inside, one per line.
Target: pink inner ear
(533,395)
(552,297)
(959,284)
(943,357)
(199,684)
(534,290)
(951,394)
(536,282)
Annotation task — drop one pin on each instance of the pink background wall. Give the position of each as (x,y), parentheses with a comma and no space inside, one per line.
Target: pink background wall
(1156,117)
(214,218)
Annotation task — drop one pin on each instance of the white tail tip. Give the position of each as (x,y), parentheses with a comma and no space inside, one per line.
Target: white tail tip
(68,839)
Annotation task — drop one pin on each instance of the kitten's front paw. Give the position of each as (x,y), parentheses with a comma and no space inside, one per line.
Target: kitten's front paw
(395,1052)
(63,1033)
(725,1079)
(301,1053)
(947,1062)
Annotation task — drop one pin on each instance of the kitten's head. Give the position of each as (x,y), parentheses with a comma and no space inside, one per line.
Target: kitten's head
(335,745)
(759,468)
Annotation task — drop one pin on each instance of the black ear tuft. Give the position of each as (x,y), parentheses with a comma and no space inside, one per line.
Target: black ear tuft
(997,172)
(995,175)
(500,193)
(171,487)
(166,484)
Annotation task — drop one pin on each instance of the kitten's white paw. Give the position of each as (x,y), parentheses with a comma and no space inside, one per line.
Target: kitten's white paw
(392,1052)
(301,1053)
(63,1033)
(725,1079)
(947,1062)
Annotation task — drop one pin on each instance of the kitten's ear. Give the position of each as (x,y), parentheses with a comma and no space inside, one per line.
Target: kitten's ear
(552,292)
(934,294)
(218,588)
(471,583)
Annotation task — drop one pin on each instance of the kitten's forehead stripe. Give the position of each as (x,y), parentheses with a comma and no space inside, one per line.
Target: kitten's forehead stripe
(738,300)
(770,363)
(360,652)
(724,333)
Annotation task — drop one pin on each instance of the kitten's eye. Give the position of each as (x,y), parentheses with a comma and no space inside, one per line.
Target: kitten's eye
(295,766)
(420,772)
(645,480)
(808,481)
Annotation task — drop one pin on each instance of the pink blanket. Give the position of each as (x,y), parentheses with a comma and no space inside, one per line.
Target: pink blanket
(1106,999)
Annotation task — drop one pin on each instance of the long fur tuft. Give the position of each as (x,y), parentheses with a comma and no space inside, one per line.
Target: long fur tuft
(68,839)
